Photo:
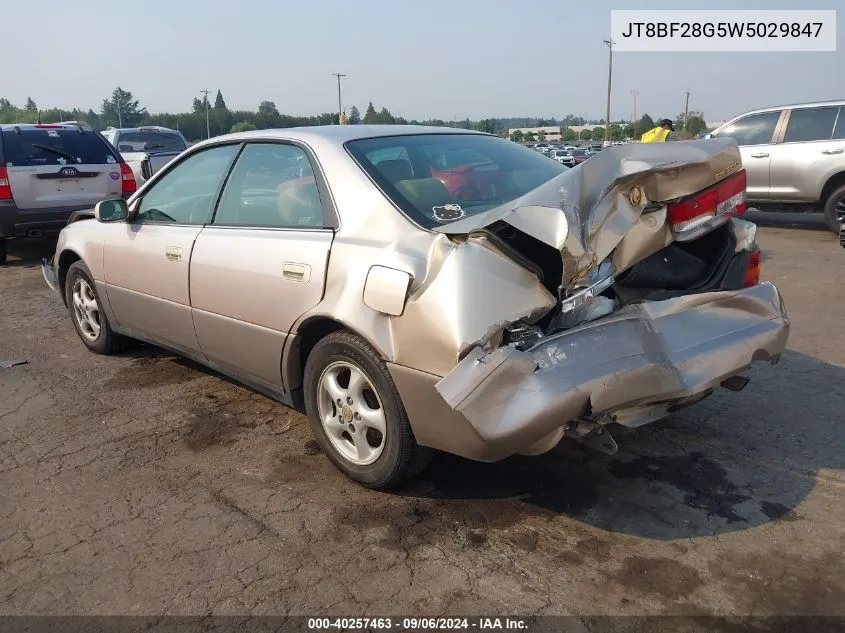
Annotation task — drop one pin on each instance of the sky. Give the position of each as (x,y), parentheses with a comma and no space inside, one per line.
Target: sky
(447,59)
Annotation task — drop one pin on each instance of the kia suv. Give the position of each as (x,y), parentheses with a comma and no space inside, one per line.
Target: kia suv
(49,171)
(794,157)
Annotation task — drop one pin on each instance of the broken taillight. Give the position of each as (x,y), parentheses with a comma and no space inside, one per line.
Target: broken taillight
(752,271)
(128,184)
(707,209)
(5,188)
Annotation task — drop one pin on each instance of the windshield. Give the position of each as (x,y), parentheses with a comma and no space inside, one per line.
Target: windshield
(33,147)
(439,178)
(150,141)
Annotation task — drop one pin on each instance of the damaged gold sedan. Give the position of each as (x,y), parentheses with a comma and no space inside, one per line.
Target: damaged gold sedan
(421,288)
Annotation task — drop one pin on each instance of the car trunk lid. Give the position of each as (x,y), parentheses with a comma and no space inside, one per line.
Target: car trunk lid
(587,212)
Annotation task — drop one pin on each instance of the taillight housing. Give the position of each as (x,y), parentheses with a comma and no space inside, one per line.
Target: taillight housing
(692,217)
(128,184)
(752,271)
(5,188)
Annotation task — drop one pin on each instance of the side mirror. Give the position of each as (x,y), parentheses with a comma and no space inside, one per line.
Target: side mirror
(111,210)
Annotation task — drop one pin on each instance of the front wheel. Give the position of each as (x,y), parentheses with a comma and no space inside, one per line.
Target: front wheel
(90,321)
(834,209)
(356,413)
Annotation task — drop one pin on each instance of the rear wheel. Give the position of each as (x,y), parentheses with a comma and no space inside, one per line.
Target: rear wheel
(90,321)
(834,208)
(356,414)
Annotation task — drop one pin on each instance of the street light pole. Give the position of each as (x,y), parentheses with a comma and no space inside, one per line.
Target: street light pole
(339,102)
(686,112)
(609,78)
(207,124)
(635,94)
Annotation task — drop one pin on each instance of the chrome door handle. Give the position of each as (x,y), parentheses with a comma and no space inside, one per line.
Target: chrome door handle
(760,155)
(296,272)
(173,253)
(832,151)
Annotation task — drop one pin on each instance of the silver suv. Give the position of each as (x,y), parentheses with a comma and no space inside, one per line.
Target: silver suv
(794,157)
(49,171)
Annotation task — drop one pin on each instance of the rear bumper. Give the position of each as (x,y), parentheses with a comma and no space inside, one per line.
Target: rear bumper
(660,353)
(15,222)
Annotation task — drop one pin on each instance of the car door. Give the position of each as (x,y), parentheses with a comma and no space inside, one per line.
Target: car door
(146,260)
(261,262)
(755,135)
(807,154)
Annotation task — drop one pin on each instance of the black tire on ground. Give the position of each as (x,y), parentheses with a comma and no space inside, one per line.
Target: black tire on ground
(834,204)
(106,341)
(2,250)
(401,456)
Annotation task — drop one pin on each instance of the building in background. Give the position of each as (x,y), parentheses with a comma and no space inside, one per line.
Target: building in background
(548,133)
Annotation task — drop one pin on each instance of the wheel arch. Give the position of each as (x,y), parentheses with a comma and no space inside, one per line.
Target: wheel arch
(66,259)
(302,342)
(833,183)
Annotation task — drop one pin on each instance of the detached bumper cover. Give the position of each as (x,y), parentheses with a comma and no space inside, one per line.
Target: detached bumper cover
(49,273)
(649,353)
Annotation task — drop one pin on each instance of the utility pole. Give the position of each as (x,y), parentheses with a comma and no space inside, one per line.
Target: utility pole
(609,79)
(119,115)
(686,111)
(207,124)
(635,94)
(339,102)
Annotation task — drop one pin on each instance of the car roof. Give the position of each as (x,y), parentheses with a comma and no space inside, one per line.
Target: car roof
(42,126)
(811,104)
(337,134)
(158,128)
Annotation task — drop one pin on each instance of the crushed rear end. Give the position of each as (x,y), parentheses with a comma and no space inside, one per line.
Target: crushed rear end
(658,300)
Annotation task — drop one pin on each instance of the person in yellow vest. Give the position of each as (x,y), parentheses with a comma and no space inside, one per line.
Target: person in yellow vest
(344,120)
(660,133)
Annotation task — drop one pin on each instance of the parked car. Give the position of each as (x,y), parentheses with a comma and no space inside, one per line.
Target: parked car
(580,155)
(564,157)
(794,156)
(597,147)
(404,320)
(49,171)
(146,149)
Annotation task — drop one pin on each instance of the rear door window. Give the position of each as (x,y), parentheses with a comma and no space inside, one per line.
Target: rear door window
(754,129)
(38,147)
(150,141)
(839,128)
(810,124)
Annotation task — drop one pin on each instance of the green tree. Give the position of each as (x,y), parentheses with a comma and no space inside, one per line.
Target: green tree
(645,124)
(243,126)
(696,125)
(597,133)
(569,134)
(219,104)
(30,105)
(385,117)
(354,116)
(530,137)
(491,126)
(197,106)
(370,116)
(517,136)
(122,109)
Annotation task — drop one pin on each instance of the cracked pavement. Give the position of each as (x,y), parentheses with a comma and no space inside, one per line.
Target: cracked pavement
(143,484)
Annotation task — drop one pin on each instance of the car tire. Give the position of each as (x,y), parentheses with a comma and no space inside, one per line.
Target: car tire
(343,367)
(834,205)
(88,318)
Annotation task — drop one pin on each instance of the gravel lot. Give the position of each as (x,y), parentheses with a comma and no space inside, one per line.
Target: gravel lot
(141,484)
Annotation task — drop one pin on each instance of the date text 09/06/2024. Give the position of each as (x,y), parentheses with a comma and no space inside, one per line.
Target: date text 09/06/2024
(417,624)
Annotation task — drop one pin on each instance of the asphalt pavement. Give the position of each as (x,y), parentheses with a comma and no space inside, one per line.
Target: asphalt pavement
(143,484)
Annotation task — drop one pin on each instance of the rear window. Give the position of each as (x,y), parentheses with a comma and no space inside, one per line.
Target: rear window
(150,141)
(35,147)
(439,178)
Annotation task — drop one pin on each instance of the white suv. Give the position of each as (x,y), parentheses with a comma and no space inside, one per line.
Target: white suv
(794,157)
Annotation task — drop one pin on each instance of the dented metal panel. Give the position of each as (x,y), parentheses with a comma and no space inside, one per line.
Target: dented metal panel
(650,353)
